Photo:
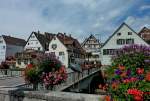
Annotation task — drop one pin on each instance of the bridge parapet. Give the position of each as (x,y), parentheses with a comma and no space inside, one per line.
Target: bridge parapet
(17,94)
(73,77)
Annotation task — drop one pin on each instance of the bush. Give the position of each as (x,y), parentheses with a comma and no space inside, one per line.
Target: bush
(129,74)
(49,71)
(31,74)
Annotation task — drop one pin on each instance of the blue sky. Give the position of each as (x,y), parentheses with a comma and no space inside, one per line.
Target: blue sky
(77,17)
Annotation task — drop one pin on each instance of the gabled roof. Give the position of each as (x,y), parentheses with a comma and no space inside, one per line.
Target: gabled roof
(70,43)
(14,41)
(44,39)
(144,29)
(119,29)
(91,36)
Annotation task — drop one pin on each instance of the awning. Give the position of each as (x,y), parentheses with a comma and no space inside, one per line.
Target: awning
(75,67)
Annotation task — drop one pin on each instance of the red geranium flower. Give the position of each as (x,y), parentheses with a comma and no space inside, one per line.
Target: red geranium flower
(133,79)
(135,92)
(138,98)
(147,78)
(140,70)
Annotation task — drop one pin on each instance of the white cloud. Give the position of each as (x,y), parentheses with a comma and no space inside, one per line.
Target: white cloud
(80,17)
(138,22)
(130,20)
(144,7)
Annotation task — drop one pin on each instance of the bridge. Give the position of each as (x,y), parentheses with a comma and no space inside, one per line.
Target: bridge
(76,81)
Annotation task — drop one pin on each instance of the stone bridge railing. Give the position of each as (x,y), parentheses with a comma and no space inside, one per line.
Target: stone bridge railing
(73,77)
(17,94)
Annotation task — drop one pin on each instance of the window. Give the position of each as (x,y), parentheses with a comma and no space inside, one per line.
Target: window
(109,51)
(19,61)
(54,46)
(25,61)
(118,34)
(39,48)
(61,53)
(28,43)
(120,41)
(129,33)
(129,41)
(36,42)
(3,47)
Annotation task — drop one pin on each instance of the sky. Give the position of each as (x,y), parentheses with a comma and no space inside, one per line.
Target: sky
(80,18)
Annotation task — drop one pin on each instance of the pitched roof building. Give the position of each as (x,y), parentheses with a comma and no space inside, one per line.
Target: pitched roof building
(124,35)
(9,46)
(67,49)
(39,41)
(92,47)
(145,34)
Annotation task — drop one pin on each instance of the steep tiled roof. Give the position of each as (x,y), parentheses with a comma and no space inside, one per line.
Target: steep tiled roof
(145,34)
(44,39)
(70,43)
(91,36)
(119,29)
(14,41)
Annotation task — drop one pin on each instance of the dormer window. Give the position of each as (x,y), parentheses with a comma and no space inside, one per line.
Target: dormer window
(54,46)
(129,33)
(118,34)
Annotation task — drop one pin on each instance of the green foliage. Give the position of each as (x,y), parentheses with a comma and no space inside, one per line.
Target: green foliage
(128,70)
(31,75)
(49,65)
(48,71)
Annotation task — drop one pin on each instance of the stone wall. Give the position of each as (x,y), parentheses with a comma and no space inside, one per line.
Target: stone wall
(16,94)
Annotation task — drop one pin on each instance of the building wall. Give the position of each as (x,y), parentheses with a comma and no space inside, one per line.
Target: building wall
(92,45)
(112,43)
(33,43)
(2,49)
(60,48)
(11,50)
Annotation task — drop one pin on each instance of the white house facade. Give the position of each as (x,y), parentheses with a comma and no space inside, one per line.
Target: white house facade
(9,46)
(34,43)
(38,41)
(92,47)
(66,49)
(60,50)
(124,35)
(2,49)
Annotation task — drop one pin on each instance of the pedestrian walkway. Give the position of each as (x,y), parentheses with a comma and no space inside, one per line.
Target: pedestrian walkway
(11,81)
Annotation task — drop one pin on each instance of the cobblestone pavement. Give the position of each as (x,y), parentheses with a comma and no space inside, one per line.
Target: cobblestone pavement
(11,81)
